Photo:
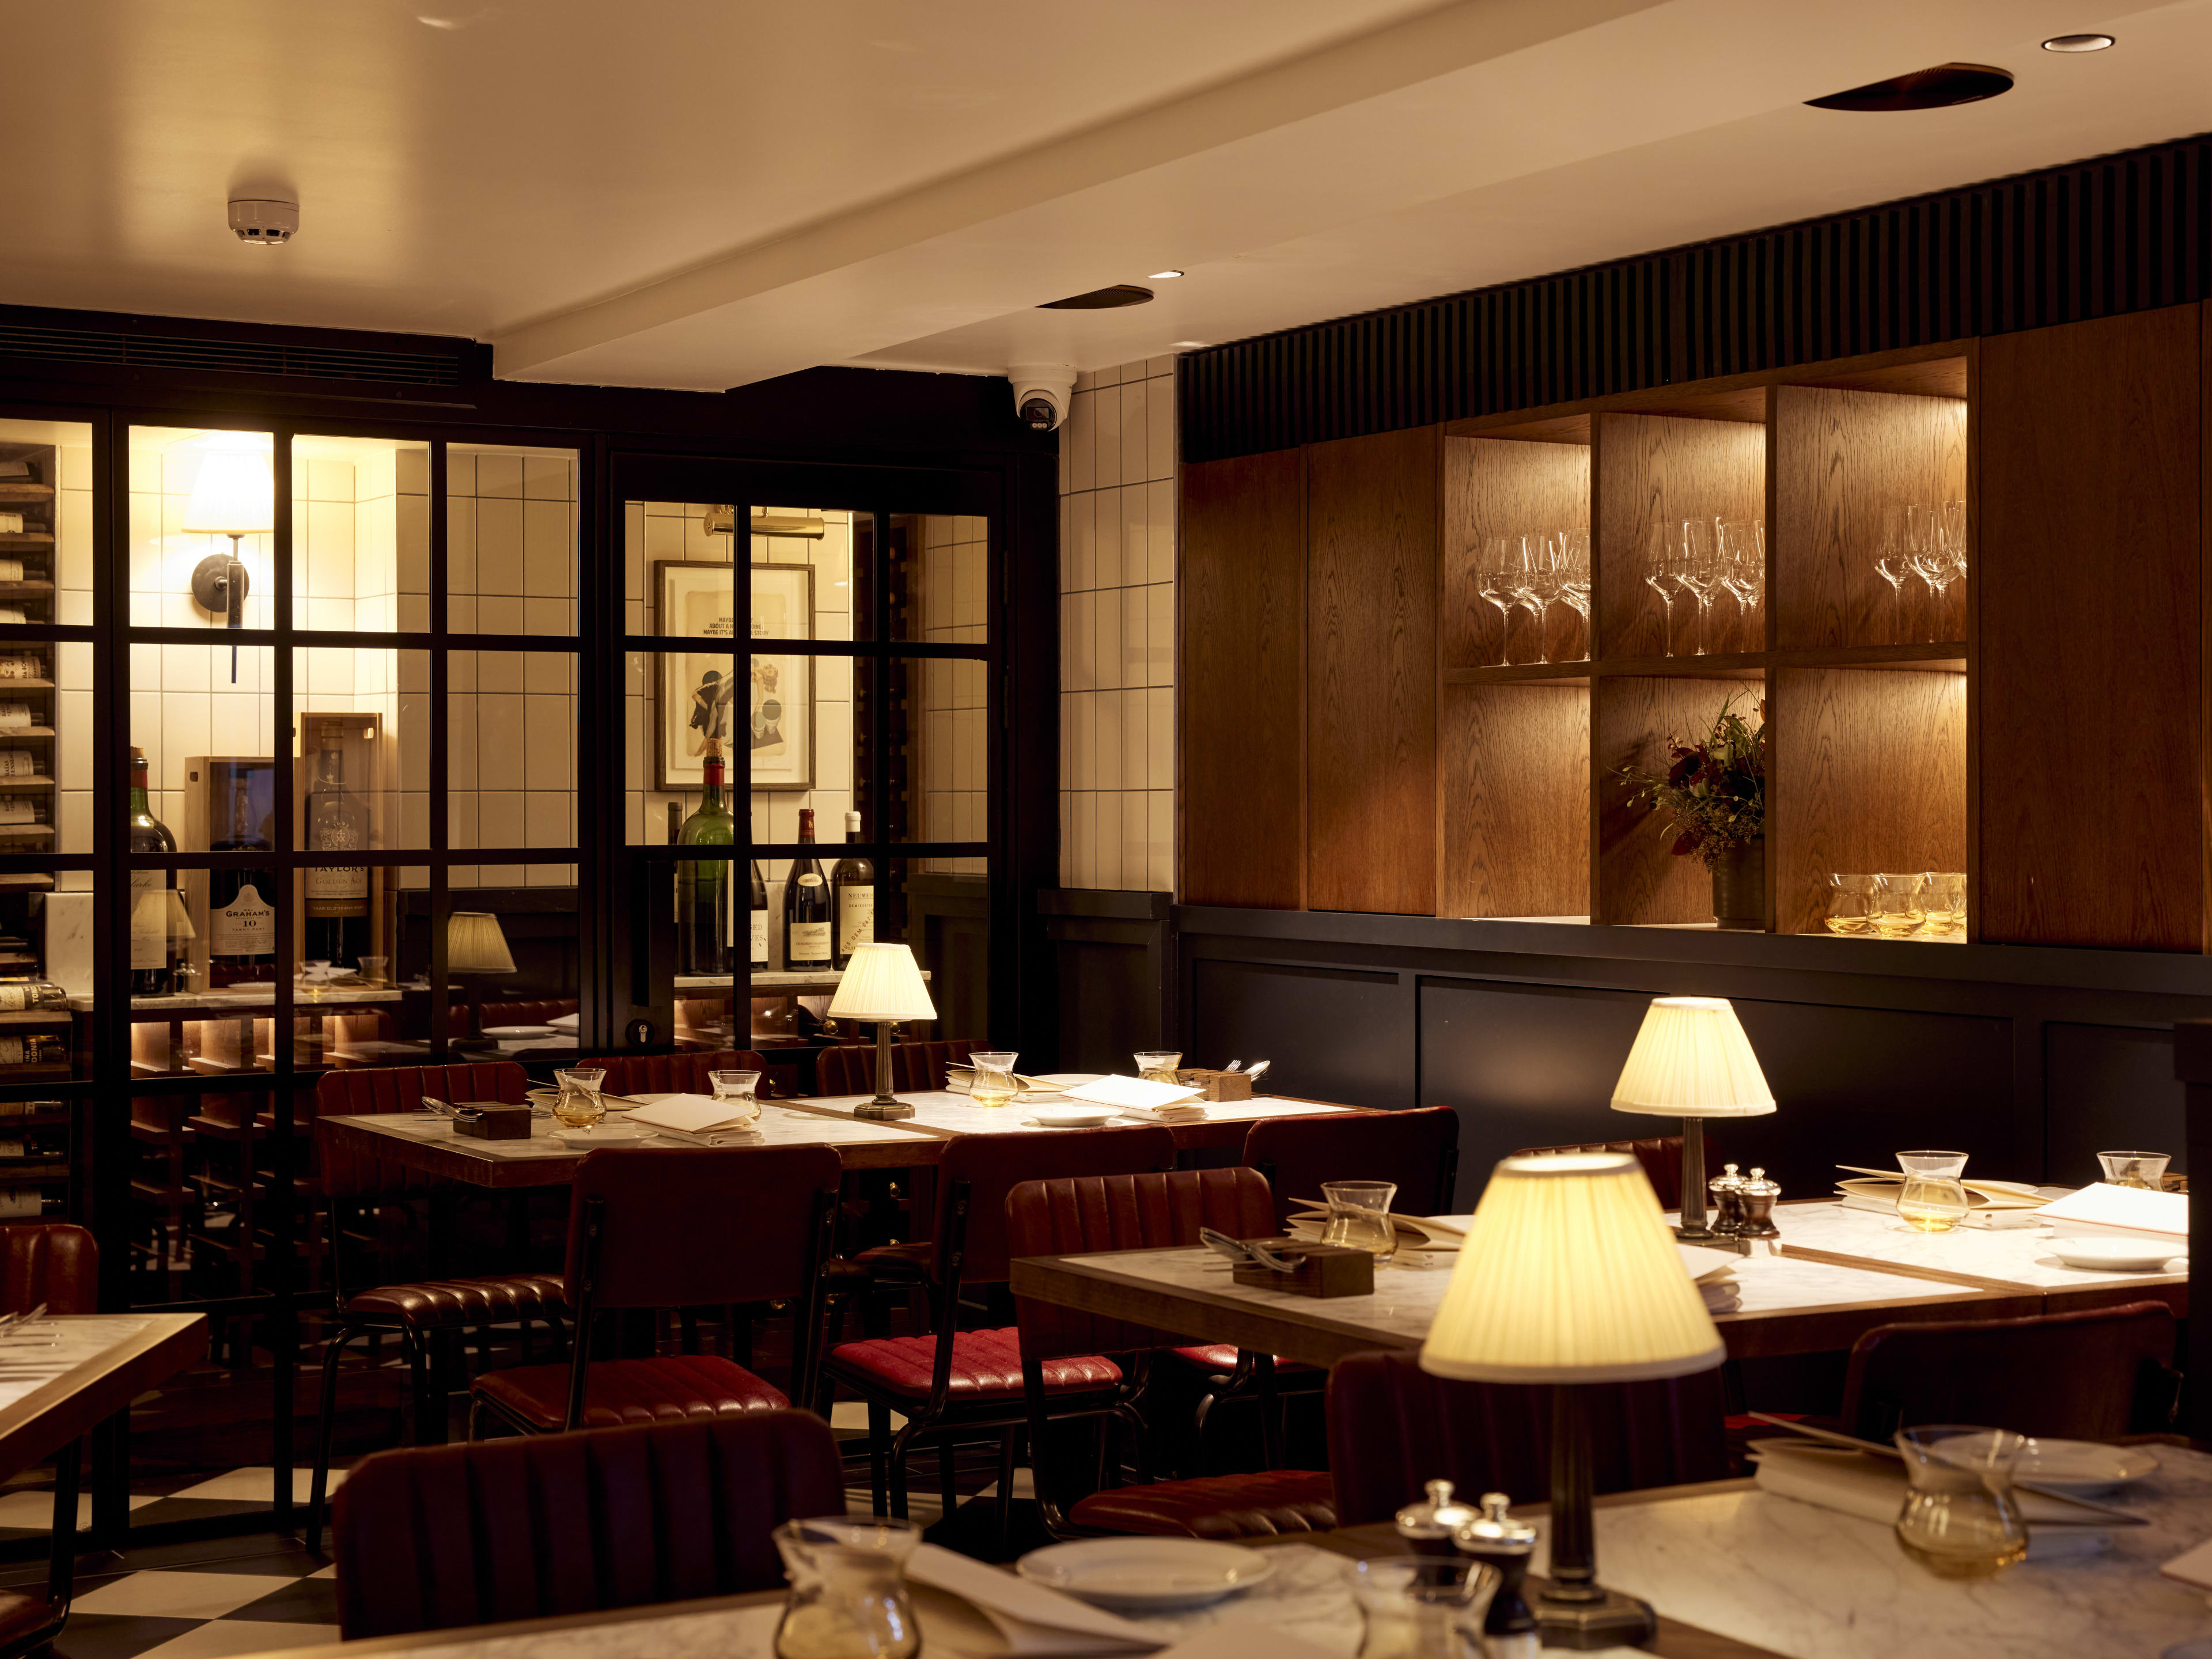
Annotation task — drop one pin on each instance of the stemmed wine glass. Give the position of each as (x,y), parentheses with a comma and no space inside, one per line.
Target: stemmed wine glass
(1743,572)
(1659,577)
(1546,586)
(1494,584)
(1930,555)
(1575,581)
(1697,569)
(1894,561)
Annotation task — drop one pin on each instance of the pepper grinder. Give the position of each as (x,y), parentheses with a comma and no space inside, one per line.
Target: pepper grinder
(1727,1189)
(1509,1629)
(1429,1527)
(1758,1197)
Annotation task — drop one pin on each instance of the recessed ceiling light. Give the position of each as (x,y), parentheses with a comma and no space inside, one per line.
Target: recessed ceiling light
(1187,345)
(1162,276)
(2077,43)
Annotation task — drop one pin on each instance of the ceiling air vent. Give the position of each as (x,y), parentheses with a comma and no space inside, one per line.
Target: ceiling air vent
(230,356)
(1102,299)
(1930,89)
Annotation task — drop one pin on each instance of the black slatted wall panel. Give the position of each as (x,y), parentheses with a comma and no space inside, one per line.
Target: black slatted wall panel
(2121,232)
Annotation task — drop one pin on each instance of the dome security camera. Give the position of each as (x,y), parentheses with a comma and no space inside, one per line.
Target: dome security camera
(1042,394)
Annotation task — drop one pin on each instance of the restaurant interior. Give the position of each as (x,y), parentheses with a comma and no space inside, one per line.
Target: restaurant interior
(1476,858)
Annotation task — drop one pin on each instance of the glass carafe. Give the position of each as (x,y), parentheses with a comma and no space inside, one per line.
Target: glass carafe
(2146,1170)
(1360,1216)
(1960,1519)
(993,1082)
(848,1597)
(1932,1200)
(1422,1607)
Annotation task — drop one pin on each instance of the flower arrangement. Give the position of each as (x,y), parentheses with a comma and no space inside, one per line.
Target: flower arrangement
(1714,790)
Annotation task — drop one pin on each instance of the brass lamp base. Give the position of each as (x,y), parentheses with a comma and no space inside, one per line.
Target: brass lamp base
(885,1106)
(1694,1229)
(882,1108)
(1614,1620)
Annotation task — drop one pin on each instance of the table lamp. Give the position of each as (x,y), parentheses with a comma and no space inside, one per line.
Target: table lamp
(1569,1277)
(474,944)
(1692,1061)
(234,496)
(883,984)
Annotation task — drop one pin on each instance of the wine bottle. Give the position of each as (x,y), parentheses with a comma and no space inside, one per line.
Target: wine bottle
(702,909)
(38,1049)
(852,885)
(20,1203)
(152,969)
(336,922)
(241,911)
(759,957)
(18,994)
(805,907)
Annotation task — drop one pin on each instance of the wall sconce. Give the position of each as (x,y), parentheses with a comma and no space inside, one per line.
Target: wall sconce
(235,496)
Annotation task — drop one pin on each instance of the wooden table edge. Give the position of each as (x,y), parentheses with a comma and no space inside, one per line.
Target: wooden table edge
(39,1423)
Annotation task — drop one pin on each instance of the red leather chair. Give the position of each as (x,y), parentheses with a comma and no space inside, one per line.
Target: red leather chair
(1660,1155)
(1392,1427)
(543,1011)
(414,1312)
(2088,1376)
(678,1230)
(568,1523)
(961,1381)
(1145,1212)
(678,1074)
(915,1066)
(57,1265)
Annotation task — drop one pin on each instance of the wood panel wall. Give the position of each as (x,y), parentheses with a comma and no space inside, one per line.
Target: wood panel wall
(1242,678)
(1648,470)
(1371,587)
(1504,486)
(1636,877)
(1516,801)
(2088,586)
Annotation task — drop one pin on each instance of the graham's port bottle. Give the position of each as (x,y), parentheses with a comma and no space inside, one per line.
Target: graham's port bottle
(241,911)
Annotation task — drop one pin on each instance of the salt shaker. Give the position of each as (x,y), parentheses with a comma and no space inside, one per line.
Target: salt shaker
(1759,1196)
(1429,1526)
(1727,1189)
(1509,1629)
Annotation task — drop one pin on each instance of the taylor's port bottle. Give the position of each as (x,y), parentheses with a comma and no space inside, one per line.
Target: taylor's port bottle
(702,909)
(241,908)
(335,928)
(806,912)
(853,887)
(152,970)
(759,956)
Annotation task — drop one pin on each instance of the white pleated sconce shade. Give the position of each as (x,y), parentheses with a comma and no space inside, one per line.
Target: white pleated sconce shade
(476,944)
(233,495)
(1569,1274)
(1692,1060)
(882,982)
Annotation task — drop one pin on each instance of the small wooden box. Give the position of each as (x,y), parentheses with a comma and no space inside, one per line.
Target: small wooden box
(495,1121)
(1323,1270)
(1216,1086)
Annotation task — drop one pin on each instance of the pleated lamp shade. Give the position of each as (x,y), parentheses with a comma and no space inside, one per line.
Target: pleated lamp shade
(1569,1274)
(882,982)
(233,495)
(1692,1060)
(476,944)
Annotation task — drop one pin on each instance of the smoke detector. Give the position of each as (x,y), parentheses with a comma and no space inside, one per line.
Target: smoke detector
(262,224)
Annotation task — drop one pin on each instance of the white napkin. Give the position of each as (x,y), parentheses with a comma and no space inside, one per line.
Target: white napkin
(1873,1488)
(2136,1211)
(696,1114)
(1132,1094)
(1033,1618)
(565,1021)
(2192,1567)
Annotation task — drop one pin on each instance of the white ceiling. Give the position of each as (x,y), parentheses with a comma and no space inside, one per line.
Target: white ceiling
(703,193)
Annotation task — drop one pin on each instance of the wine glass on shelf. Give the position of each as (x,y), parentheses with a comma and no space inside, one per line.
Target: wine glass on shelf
(1893,561)
(1659,577)
(1575,582)
(1494,584)
(1546,584)
(1697,568)
(1520,572)
(1931,557)
(1743,572)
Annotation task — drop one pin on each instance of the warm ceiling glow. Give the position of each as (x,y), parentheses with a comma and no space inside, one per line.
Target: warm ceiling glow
(2077,43)
(1162,276)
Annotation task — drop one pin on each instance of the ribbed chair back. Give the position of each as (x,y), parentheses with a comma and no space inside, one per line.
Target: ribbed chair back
(1660,1155)
(978,1171)
(1075,1217)
(916,1066)
(379,1089)
(1418,1149)
(544,1525)
(1392,1427)
(673,1074)
(2088,1376)
(542,1012)
(49,1261)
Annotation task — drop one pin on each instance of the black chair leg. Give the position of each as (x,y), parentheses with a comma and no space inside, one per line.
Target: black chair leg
(879,1438)
(332,1352)
(901,1443)
(948,1472)
(688,1321)
(429,1402)
(61,1566)
(1009,1445)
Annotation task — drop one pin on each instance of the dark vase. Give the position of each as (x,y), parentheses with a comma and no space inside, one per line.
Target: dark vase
(1739,888)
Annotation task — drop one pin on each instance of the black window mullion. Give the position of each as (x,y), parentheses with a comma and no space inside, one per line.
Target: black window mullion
(441,808)
(109,1181)
(284,1322)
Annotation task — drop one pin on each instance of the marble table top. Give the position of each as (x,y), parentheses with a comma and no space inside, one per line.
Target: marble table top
(2013,1255)
(777,1126)
(1818,1584)
(956,1114)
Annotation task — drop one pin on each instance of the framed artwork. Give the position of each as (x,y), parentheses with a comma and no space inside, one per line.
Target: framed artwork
(772,726)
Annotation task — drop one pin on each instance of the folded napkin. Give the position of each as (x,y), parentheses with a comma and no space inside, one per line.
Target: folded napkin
(564,1022)
(2192,1567)
(1134,1095)
(693,1115)
(1031,1619)
(1873,1488)
(714,1136)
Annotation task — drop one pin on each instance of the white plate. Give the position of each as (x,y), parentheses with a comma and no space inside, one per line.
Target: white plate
(2126,1256)
(516,1033)
(2082,1465)
(1073,1117)
(603,1134)
(1146,1573)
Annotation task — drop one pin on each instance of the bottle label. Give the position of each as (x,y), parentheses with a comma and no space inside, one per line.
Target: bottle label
(149,919)
(810,880)
(342,892)
(18,667)
(247,926)
(18,994)
(16,763)
(14,716)
(810,942)
(15,1201)
(13,1149)
(856,918)
(18,809)
(15,1051)
(760,937)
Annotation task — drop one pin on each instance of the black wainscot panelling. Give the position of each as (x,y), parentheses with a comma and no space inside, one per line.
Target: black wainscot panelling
(2107,1085)
(1332,1035)
(1115,967)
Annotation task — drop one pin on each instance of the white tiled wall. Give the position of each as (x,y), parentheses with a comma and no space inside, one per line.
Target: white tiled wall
(73,662)
(1117,547)
(953,743)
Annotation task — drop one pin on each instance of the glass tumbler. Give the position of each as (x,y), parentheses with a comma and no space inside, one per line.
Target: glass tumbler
(1852,905)
(578,1105)
(1932,1200)
(1959,1518)
(2134,1169)
(848,1597)
(739,1088)
(1943,901)
(1360,1217)
(1158,1065)
(994,1084)
(1423,1607)
(1898,909)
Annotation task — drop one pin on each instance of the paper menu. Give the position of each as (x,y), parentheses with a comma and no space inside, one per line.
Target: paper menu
(1133,1094)
(696,1114)
(2105,1208)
